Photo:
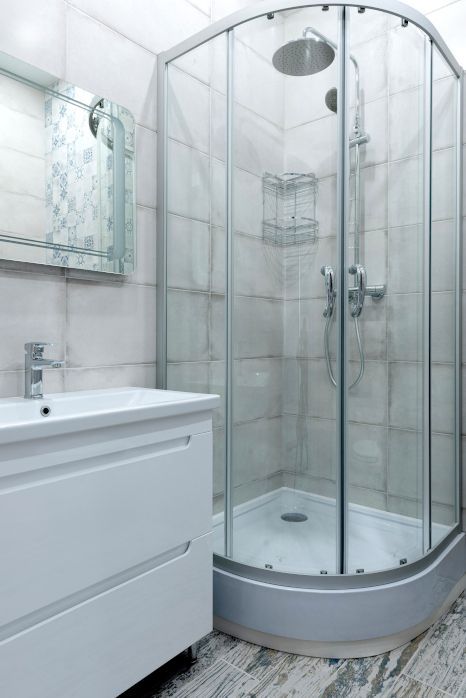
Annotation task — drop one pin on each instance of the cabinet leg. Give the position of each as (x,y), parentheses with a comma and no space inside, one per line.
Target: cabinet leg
(192,652)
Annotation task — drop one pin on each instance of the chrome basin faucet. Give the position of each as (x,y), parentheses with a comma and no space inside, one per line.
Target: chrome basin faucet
(34,365)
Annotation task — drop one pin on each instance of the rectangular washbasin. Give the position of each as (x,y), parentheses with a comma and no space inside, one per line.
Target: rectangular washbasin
(64,412)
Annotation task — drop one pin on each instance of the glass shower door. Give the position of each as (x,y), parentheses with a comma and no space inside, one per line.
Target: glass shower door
(387,353)
(284,326)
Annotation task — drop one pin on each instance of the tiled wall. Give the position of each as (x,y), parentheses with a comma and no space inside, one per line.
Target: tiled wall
(106,329)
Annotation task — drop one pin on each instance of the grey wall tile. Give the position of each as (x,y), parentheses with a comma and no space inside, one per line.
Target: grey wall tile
(258,268)
(256,449)
(405,395)
(405,259)
(259,327)
(405,463)
(367,456)
(140,375)
(188,105)
(107,324)
(405,327)
(188,254)
(309,446)
(188,326)
(257,389)
(94,56)
(32,308)
(367,401)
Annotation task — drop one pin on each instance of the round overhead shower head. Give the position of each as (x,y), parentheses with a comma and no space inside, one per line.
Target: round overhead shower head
(304,56)
(331,99)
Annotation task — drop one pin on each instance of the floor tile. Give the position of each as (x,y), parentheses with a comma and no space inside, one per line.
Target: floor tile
(440,658)
(370,676)
(222,680)
(296,676)
(432,665)
(409,688)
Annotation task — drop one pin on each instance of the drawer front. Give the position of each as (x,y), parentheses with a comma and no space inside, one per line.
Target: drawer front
(63,531)
(103,646)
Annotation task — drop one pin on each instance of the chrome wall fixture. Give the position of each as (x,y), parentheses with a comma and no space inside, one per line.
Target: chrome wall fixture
(257,592)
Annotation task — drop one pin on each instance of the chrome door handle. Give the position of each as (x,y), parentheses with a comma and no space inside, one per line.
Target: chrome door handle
(329,276)
(358,294)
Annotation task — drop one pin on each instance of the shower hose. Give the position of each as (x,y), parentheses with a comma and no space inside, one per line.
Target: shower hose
(327,352)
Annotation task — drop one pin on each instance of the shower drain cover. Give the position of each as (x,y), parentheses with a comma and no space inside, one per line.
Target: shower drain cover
(294,517)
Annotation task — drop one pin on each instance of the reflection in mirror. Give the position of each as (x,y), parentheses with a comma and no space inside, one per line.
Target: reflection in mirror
(66,174)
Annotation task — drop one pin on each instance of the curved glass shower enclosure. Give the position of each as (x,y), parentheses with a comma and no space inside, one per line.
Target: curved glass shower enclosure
(308,262)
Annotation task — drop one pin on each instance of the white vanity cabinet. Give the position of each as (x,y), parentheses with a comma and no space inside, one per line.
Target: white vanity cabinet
(105,539)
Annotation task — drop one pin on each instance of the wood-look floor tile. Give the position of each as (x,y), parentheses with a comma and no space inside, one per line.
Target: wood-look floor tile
(410,688)
(294,675)
(253,659)
(371,676)
(210,649)
(222,680)
(440,658)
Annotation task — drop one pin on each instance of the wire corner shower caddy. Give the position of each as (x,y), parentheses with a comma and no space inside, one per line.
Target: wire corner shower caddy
(289,208)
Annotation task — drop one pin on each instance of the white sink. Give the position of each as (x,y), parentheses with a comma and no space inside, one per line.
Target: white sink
(61,413)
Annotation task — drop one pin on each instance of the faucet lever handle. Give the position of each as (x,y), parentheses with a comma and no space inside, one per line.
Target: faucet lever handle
(36,349)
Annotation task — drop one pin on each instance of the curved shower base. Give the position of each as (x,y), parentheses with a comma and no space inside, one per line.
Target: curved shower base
(341,616)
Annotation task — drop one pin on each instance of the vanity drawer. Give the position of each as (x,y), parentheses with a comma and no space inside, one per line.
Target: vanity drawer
(104,645)
(65,529)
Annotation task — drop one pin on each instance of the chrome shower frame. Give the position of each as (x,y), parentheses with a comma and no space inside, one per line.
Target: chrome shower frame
(233,578)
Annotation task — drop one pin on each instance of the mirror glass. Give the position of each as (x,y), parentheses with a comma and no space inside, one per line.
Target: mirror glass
(67,168)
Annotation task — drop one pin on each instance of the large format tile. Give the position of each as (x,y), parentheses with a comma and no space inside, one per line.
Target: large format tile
(35,32)
(221,681)
(32,309)
(440,661)
(188,262)
(110,324)
(367,401)
(409,688)
(311,147)
(405,187)
(188,182)
(406,125)
(188,105)
(259,327)
(140,375)
(146,156)
(188,326)
(404,327)
(256,449)
(258,269)
(157,31)
(99,60)
(309,446)
(405,395)
(308,390)
(257,388)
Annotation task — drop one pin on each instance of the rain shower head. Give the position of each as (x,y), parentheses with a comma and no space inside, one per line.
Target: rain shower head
(331,99)
(304,56)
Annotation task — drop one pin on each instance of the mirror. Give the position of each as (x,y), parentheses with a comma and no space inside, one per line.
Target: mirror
(67,169)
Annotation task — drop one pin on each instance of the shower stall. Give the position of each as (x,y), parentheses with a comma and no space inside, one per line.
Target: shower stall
(309,262)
